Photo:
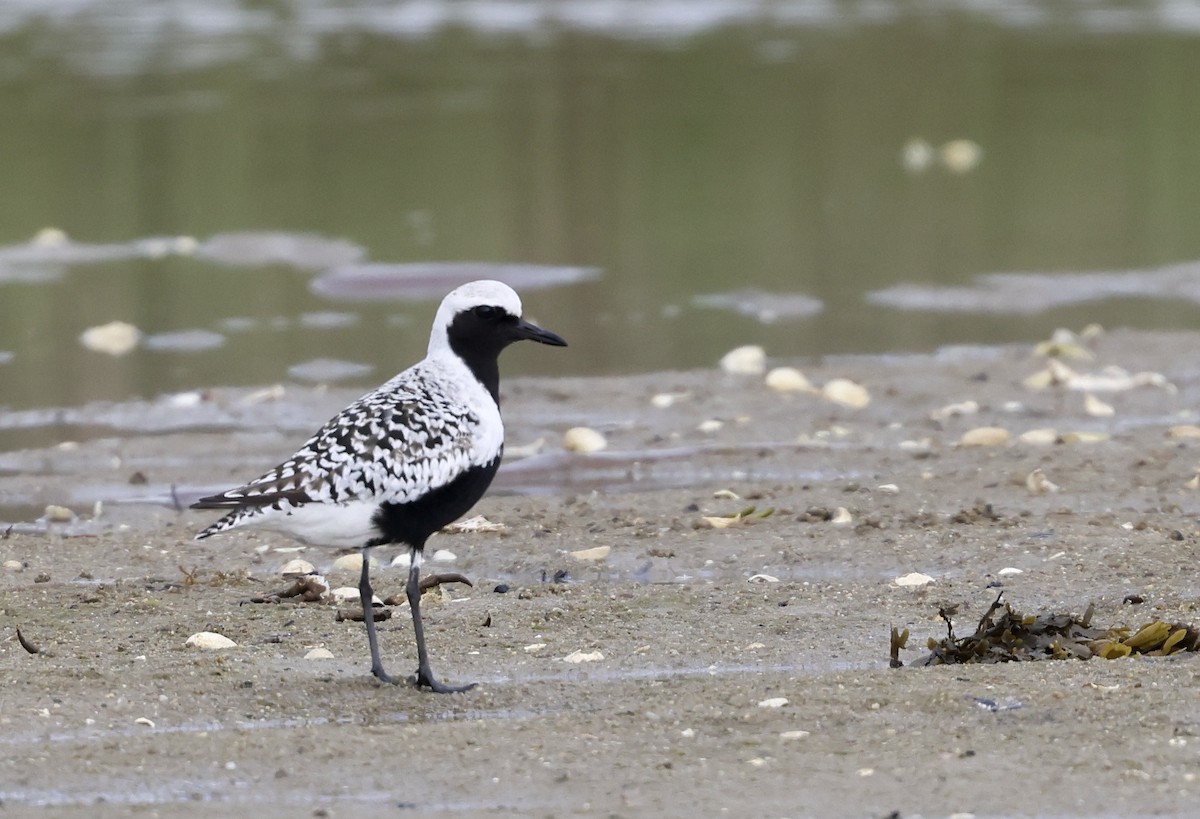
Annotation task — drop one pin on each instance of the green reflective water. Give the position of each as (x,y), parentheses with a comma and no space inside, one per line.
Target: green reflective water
(758,155)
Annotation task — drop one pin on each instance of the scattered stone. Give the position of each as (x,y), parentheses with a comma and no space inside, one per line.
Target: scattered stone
(1184,431)
(841,517)
(1009,570)
(888,489)
(319,654)
(533,648)
(762,578)
(793,734)
(149,723)
(773,702)
(14,566)
(582,657)
(443,556)
(209,641)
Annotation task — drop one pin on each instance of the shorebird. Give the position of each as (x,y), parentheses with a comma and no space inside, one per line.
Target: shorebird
(403,461)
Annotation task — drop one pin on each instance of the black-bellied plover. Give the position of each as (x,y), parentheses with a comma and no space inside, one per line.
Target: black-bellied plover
(403,461)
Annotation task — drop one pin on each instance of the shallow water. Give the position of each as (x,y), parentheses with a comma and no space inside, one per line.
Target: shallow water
(691,176)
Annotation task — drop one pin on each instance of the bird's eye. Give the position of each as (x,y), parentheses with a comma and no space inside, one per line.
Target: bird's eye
(486,311)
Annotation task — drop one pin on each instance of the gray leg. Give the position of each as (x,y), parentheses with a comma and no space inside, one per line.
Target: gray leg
(424,673)
(366,596)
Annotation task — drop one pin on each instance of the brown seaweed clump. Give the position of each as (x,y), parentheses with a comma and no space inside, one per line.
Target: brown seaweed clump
(1005,635)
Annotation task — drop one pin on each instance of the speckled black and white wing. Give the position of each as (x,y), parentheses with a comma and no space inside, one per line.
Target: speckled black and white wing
(417,433)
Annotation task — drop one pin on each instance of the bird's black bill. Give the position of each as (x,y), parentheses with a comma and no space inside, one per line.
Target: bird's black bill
(530,331)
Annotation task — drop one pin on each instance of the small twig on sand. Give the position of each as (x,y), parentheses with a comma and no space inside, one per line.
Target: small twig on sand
(25,644)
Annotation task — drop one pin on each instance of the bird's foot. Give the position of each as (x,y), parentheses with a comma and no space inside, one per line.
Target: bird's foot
(383,676)
(424,679)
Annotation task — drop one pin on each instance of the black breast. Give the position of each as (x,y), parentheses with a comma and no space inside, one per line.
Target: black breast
(413,522)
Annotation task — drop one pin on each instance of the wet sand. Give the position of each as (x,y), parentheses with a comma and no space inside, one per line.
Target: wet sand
(673,715)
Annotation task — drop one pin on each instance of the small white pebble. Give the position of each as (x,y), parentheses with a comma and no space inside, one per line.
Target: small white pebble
(533,648)
(841,517)
(762,578)
(1008,570)
(319,654)
(913,579)
(688,733)
(149,723)
(773,702)
(595,554)
(444,556)
(793,734)
(708,427)
(888,489)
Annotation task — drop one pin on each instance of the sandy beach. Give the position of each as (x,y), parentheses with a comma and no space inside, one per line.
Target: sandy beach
(722,666)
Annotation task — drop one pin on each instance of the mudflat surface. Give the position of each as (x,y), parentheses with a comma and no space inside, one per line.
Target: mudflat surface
(677,710)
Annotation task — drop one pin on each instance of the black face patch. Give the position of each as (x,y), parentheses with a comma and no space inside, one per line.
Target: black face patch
(477,336)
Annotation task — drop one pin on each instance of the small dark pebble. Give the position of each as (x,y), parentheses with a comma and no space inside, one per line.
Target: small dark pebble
(1134,599)
(502,588)
(1176,534)
(42,578)
(692,507)
(138,478)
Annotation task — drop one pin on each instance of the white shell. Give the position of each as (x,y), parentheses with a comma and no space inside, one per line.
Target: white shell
(984,436)
(913,579)
(748,360)
(583,439)
(954,410)
(788,379)
(1096,408)
(114,338)
(847,393)
(297,567)
(961,155)
(596,553)
(1037,483)
(581,657)
(1044,436)
(319,654)
(209,641)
